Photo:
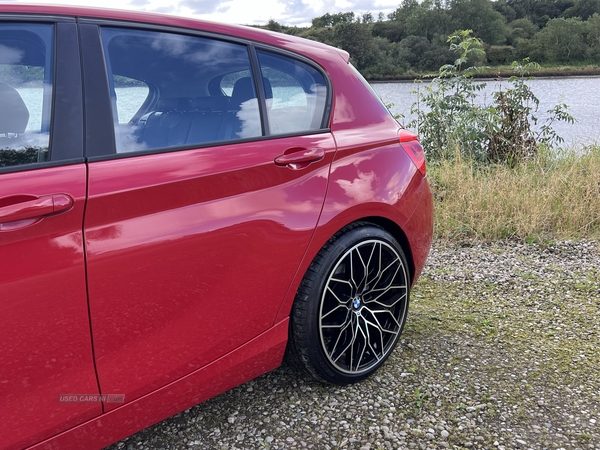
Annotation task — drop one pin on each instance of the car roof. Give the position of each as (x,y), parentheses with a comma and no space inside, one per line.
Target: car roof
(312,49)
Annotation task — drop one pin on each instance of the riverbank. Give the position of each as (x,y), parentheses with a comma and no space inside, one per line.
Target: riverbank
(502,72)
(499,351)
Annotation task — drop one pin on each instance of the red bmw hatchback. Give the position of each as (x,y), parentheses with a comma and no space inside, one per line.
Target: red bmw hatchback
(181,202)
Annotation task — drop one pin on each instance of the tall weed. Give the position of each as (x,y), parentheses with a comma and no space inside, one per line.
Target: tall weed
(549,195)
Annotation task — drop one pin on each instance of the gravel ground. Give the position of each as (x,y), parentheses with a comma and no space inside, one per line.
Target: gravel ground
(500,352)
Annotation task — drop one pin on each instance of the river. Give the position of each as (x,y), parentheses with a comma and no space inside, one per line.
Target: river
(581,94)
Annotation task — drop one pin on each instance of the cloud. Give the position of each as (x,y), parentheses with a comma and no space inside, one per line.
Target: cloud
(299,12)
(164,10)
(286,12)
(142,4)
(204,6)
(10,55)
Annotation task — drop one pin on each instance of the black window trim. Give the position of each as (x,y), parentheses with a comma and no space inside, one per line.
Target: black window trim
(259,87)
(98,147)
(98,112)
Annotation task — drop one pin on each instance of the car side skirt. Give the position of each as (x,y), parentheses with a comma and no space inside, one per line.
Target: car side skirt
(258,356)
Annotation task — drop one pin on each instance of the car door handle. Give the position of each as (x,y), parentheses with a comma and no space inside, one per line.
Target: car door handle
(33,207)
(300,157)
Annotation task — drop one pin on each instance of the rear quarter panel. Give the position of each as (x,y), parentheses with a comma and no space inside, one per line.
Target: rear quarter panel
(371,177)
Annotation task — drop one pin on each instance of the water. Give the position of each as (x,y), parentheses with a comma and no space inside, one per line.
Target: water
(582,94)
(33,99)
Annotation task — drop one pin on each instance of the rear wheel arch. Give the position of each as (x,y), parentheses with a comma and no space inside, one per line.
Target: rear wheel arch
(396,231)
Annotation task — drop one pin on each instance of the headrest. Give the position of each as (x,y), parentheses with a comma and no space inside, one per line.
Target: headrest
(175,104)
(268,88)
(14,115)
(243,90)
(211,103)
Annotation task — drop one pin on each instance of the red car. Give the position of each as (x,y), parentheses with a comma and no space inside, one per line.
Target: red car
(181,202)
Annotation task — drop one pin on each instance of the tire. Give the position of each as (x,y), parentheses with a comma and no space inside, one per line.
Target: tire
(351,306)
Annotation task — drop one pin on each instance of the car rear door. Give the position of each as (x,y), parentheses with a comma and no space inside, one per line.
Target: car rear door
(193,234)
(46,363)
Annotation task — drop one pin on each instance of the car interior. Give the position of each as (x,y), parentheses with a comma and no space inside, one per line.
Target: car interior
(22,61)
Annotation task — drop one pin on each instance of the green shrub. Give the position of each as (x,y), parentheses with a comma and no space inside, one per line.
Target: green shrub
(450,122)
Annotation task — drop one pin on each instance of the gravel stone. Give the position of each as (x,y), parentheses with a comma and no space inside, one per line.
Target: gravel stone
(500,351)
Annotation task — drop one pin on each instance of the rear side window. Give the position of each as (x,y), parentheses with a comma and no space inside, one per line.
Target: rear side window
(296,94)
(164,94)
(26,56)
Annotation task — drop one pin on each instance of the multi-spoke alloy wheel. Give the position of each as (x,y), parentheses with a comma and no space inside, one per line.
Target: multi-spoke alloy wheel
(363,306)
(351,306)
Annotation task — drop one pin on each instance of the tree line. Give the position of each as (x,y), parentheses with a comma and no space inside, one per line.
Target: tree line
(412,40)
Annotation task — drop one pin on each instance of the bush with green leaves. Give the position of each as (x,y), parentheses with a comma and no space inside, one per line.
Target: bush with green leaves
(452,123)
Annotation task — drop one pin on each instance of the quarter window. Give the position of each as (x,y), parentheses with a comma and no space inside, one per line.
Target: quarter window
(296,94)
(25,92)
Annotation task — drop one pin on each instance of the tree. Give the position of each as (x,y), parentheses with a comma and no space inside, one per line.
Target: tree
(392,30)
(527,27)
(388,65)
(480,16)
(583,9)
(356,39)
(412,50)
(506,10)
(539,11)
(500,54)
(324,35)
(331,20)
(406,9)
(562,40)
(273,26)
(419,54)
(592,26)
(522,29)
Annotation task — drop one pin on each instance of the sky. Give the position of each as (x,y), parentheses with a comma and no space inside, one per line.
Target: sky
(247,12)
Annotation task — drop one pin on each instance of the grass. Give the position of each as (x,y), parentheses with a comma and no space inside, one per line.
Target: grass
(524,342)
(551,196)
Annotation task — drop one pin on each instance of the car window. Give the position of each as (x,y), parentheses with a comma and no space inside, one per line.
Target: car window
(179,107)
(26,56)
(296,94)
(130,96)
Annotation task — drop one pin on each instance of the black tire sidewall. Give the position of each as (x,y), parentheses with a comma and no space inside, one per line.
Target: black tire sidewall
(310,296)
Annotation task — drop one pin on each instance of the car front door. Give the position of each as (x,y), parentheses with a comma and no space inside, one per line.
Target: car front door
(47,378)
